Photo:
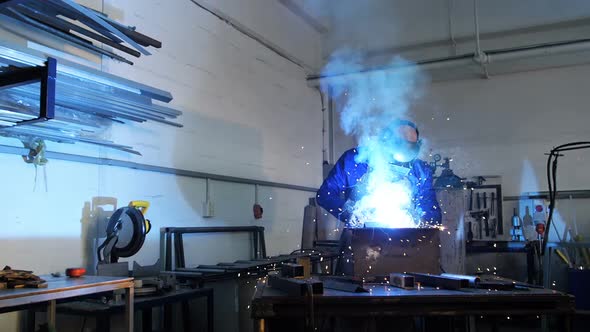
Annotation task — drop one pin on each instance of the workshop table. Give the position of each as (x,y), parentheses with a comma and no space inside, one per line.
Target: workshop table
(145,304)
(273,308)
(59,288)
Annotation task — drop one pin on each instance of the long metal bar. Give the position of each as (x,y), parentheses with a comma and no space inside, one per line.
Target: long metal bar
(66,26)
(106,25)
(449,62)
(152,168)
(6,3)
(138,37)
(16,55)
(439,281)
(574,194)
(221,229)
(576,23)
(66,36)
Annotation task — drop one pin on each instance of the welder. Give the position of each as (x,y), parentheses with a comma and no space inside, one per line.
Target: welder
(400,140)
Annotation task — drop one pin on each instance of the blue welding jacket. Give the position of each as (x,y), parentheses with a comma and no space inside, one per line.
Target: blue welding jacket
(341,185)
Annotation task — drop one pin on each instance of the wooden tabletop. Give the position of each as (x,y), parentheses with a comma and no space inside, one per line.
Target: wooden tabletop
(62,287)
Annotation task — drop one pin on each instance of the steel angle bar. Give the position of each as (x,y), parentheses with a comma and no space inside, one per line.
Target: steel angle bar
(124,113)
(102,99)
(132,33)
(439,281)
(66,26)
(65,10)
(11,13)
(7,3)
(28,131)
(15,55)
(93,16)
(115,109)
(80,104)
(166,110)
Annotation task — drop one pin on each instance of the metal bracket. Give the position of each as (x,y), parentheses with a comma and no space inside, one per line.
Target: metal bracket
(46,75)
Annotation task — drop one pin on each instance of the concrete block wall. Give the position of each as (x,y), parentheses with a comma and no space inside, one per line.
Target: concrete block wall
(247,113)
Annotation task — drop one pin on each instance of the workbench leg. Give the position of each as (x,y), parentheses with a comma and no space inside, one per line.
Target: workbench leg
(259,325)
(103,323)
(210,312)
(146,320)
(168,314)
(51,314)
(567,321)
(29,320)
(472,323)
(544,323)
(129,310)
(186,316)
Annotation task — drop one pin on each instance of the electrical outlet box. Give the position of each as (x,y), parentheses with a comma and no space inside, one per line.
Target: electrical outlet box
(208,209)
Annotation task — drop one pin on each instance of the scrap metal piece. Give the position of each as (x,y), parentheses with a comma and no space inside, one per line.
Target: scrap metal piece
(292,270)
(473,280)
(439,281)
(296,287)
(92,15)
(401,280)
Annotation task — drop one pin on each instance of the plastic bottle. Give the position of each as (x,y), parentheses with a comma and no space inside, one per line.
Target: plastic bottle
(516,230)
(539,219)
(528,225)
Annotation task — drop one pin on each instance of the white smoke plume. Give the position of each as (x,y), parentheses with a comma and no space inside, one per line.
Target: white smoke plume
(372,101)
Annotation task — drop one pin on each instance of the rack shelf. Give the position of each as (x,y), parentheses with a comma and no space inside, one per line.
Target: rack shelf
(61,101)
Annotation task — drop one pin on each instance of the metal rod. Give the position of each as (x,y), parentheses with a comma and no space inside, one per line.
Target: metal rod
(18,56)
(220,229)
(66,26)
(152,168)
(66,36)
(106,25)
(571,194)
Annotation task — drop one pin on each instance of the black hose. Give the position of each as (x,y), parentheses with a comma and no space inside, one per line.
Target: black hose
(552,180)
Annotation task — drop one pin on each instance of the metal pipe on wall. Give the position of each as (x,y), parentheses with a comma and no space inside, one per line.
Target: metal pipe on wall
(152,168)
(467,59)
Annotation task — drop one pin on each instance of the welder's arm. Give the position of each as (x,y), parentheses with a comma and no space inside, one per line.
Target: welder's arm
(426,198)
(330,196)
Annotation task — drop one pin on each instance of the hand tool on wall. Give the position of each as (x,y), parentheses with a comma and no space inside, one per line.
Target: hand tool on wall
(469,232)
(493,204)
(485,200)
(471,200)
(477,198)
(493,225)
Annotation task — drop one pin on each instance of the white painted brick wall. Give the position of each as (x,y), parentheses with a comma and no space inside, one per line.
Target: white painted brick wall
(248,113)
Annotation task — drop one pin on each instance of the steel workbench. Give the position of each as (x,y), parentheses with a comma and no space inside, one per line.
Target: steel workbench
(145,303)
(59,288)
(275,311)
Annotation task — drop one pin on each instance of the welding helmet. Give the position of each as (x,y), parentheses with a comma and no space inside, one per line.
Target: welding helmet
(402,140)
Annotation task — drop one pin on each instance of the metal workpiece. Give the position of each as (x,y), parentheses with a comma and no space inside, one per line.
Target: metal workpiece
(296,287)
(402,280)
(373,252)
(440,281)
(68,103)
